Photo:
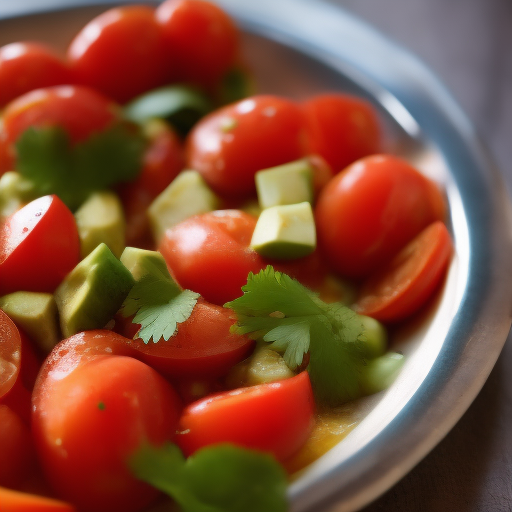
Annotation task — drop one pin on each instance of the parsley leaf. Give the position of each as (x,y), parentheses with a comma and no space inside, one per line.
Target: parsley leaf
(221,478)
(46,157)
(159,305)
(295,321)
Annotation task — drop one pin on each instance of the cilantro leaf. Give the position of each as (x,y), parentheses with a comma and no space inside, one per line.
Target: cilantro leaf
(159,305)
(221,478)
(295,321)
(46,157)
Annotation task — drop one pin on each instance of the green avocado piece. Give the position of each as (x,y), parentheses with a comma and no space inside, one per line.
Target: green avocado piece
(100,219)
(186,196)
(285,184)
(92,292)
(376,337)
(381,372)
(266,365)
(36,314)
(15,191)
(141,262)
(285,232)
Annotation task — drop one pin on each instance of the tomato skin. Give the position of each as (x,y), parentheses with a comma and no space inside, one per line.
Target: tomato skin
(341,128)
(10,354)
(6,153)
(81,111)
(367,213)
(162,162)
(230,145)
(201,39)
(94,405)
(121,53)
(14,501)
(27,66)
(276,418)
(39,246)
(400,288)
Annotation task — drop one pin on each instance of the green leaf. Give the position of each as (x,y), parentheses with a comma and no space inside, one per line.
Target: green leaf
(221,478)
(55,166)
(159,305)
(295,321)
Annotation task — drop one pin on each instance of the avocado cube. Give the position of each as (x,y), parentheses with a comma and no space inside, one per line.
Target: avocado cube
(15,191)
(141,262)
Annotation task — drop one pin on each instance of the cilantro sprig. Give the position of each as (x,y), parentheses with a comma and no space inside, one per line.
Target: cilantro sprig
(279,310)
(46,157)
(221,478)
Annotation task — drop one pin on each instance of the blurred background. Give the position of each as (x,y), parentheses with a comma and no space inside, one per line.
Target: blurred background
(468,44)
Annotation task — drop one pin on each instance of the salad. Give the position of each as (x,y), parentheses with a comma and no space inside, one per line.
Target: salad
(195,280)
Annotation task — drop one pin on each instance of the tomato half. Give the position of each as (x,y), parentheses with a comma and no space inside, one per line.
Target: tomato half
(13,501)
(275,417)
(94,405)
(400,288)
(341,128)
(121,53)
(10,354)
(39,246)
(367,213)
(230,145)
(28,66)
(201,40)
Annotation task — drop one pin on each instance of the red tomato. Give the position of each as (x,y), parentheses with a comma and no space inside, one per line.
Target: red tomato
(39,246)
(6,153)
(201,39)
(276,418)
(402,286)
(121,52)
(79,110)
(163,161)
(230,145)
(202,347)
(94,405)
(16,449)
(13,501)
(28,66)
(367,213)
(10,354)
(322,172)
(341,128)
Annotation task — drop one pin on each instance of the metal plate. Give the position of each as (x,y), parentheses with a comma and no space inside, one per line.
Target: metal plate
(300,47)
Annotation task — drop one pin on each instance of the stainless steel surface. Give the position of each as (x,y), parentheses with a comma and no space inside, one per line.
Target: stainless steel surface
(298,47)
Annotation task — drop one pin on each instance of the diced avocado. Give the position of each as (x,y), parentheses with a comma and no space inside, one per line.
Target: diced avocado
(266,365)
(141,262)
(101,220)
(381,372)
(92,292)
(285,232)
(286,184)
(186,196)
(376,337)
(36,314)
(15,192)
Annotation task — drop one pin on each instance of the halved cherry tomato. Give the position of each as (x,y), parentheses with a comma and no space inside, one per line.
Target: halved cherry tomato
(94,405)
(39,246)
(10,354)
(162,162)
(202,40)
(275,417)
(400,288)
(28,66)
(121,53)
(341,128)
(13,501)
(367,213)
(230,145)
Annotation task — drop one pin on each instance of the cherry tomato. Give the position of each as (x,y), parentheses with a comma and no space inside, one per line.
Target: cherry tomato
(202,347)
(121,53)
(28,66)
(14,501)
(17,457)
(201,39)
(401,287)
(162,162)
(10,354)
(275,417)
(230,145)
(39,246)
(367,213)
(79,110)
(341,128)
(322,172)
(94,405)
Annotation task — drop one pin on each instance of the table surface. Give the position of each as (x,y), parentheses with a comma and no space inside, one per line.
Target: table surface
(466,43)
